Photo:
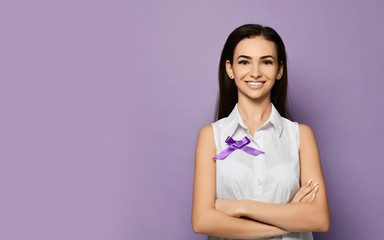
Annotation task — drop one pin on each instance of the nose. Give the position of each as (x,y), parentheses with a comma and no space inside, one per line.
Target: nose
(255,71)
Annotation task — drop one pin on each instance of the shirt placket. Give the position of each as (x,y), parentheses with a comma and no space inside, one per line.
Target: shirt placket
(258,169)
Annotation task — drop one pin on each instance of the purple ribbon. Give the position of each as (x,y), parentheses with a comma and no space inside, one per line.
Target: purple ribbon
(237,145)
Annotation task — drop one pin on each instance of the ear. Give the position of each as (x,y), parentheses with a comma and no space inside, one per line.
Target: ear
(228,67)
(280,71)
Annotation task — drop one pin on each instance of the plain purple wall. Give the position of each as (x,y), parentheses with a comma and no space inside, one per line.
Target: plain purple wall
(101,103)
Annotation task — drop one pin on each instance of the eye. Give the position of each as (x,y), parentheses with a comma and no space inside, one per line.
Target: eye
(267,62)
(243,62)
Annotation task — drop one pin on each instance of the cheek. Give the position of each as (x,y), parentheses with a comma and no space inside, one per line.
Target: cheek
(271,74)
(236,82)
(273,83)
(240,72)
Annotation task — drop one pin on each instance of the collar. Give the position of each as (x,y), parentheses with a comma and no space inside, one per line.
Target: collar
(234,120)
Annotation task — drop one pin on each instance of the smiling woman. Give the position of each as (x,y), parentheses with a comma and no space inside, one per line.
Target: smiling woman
(257,173)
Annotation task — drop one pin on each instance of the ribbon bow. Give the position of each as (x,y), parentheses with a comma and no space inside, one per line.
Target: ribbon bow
(237,145)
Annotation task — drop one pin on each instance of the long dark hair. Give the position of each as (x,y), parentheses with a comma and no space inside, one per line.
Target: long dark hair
(228,98)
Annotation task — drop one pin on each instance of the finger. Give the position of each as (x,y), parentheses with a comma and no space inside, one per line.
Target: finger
(305,190)
(299,194)
(308,183)
(314,194)
(310,197)
(302,192)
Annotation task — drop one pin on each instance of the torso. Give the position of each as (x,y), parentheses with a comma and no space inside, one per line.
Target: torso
(272,177)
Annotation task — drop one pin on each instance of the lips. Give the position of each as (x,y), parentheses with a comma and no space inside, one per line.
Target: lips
(255,84)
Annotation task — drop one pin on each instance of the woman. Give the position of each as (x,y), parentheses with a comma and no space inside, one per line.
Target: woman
(257,174)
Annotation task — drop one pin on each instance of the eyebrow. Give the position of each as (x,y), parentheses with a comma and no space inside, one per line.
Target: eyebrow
(248,57)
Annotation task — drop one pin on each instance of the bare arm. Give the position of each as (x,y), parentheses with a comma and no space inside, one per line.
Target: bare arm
(206,219)
(311,215)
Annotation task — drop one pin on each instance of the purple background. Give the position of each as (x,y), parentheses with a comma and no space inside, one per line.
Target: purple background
(101,103)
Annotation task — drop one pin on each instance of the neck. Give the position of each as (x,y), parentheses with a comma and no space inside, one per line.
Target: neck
(254,112)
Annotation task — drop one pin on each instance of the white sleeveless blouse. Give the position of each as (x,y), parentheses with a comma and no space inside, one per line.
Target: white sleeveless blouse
(272,177)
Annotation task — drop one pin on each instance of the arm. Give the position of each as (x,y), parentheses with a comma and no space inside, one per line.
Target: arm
(311,215)
(206,219)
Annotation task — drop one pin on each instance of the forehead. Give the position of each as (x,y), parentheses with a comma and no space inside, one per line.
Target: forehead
(255,47)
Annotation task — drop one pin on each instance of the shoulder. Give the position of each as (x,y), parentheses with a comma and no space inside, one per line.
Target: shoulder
(205,145)
(223,122)
(305,131)
(290,128)
(287,122)
(206,131)
(220,127)
(307,136)
(206,136)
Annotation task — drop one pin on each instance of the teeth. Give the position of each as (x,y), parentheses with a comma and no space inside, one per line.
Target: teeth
(255,83)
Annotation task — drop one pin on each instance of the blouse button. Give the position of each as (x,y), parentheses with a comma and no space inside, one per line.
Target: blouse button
(259,182)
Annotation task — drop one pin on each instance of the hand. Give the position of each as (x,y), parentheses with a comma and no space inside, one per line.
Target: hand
(230,207)
(306,193)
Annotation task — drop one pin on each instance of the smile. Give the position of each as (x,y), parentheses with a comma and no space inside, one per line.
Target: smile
(255,85)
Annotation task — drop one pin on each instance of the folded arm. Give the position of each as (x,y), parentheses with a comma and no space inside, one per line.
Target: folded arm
(311,215)
(206,219)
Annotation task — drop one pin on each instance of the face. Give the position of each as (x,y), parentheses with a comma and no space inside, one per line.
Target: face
(255,68)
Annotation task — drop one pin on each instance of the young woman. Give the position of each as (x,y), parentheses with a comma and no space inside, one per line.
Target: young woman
(257,174)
